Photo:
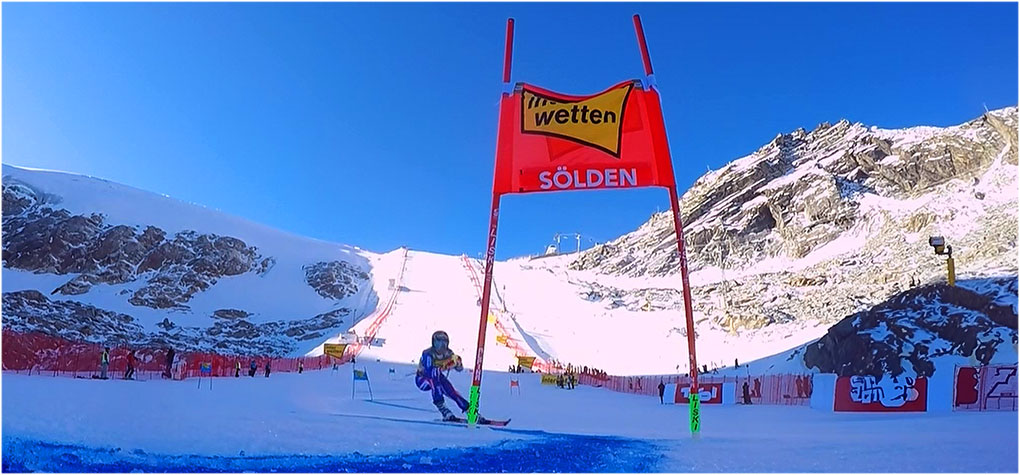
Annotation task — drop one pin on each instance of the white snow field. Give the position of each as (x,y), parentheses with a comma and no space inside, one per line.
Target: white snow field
(309,422)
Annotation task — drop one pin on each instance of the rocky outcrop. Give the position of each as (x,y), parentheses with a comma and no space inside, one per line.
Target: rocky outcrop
(335,279)
(43,239)
(818,225)
(230,314)
(805,189)
(31,311)
(914,327)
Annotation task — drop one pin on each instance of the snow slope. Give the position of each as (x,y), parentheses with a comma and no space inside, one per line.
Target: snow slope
(282,293)
(293,421)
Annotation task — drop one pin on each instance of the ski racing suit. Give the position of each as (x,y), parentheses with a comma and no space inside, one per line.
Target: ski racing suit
(430,377)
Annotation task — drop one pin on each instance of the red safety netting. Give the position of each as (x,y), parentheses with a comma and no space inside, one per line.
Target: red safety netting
(37,353)
(771,389)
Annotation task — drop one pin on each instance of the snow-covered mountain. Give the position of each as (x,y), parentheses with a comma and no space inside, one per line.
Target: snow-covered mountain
(815,229)
(88,259)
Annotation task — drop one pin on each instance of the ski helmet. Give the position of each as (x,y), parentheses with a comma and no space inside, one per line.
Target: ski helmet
(440,336)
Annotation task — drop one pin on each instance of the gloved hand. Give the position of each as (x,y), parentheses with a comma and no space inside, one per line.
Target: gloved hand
(457,363)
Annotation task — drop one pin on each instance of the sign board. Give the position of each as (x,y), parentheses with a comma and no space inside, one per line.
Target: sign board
(205,368)
(985,388)
(891,394)
(526,361)
(335,350)
(709,393)
(549,379)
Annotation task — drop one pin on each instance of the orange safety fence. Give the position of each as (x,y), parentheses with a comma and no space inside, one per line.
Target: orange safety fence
(38,353)
(384,313)
(771,389)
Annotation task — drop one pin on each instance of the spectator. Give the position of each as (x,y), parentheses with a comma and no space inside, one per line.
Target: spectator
(169,363)
(662,390)
(104,362)
(573,380)
(237,368)
(300,367)
(736,363)
(130,373)
(267,368)
(746,393)
(252,368)
(559,380)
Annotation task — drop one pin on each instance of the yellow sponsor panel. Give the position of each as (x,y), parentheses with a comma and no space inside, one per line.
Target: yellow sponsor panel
(501,339)
(526,361)
(595,122)
(334,349)
(492,319)
(549,379)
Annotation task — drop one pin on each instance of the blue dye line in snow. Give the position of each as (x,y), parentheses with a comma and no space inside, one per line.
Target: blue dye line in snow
(548,453)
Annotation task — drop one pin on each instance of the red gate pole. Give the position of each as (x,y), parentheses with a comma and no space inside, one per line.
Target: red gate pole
(490,252)
(694,402)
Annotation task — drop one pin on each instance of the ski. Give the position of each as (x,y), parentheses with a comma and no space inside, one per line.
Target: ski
(487,422)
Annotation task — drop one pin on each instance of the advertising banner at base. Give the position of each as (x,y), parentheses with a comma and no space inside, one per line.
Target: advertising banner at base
(711,393)
(985,388)
(891,394)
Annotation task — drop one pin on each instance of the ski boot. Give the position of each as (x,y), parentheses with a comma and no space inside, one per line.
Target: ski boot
(446,412)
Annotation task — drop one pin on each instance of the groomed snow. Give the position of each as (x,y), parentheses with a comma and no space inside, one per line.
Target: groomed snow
(243,423)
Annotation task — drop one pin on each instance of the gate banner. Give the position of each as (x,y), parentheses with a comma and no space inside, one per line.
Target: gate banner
(551,142)
(709,393)
(891,394)
(985,388)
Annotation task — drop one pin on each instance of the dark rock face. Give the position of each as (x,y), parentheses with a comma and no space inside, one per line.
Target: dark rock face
(230,314)
(42,239)
(335,279)
(915,326)
(29,310)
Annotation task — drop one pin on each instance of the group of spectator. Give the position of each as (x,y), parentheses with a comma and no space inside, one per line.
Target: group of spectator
(567,380)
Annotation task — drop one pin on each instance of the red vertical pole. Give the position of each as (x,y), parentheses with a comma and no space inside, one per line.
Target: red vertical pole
(509,49)
(674,205)
(643,45)
(490,255)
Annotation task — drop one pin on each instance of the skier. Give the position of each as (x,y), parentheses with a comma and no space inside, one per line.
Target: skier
(104,362)
(130,373)
(430,377)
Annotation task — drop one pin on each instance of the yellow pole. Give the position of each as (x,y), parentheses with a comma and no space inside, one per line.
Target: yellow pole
(951,269)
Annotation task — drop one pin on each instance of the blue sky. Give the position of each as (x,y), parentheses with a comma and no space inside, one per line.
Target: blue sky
(374,124)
